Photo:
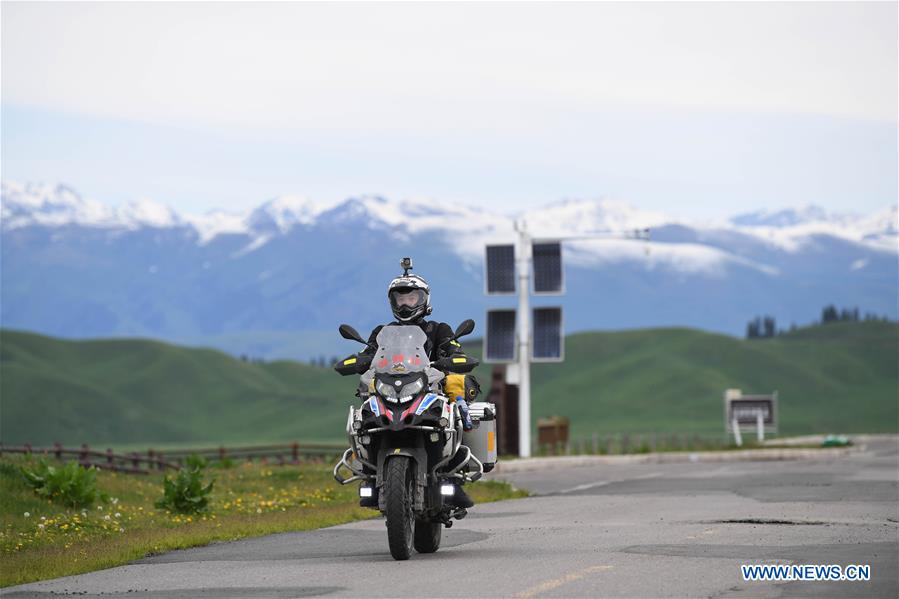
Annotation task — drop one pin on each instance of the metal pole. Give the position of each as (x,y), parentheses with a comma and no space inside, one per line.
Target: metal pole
(738,439)
(524,333)
(759,426)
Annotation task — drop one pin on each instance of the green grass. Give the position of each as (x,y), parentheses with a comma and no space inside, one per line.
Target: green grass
(143,392)
(840,377)
(247,500)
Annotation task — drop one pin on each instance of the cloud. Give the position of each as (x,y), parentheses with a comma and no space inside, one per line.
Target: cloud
(436,67)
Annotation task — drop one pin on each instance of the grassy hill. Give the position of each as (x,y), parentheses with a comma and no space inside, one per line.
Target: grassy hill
(841,377)
(138,391)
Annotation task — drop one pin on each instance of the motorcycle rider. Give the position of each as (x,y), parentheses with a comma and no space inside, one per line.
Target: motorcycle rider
(410,301)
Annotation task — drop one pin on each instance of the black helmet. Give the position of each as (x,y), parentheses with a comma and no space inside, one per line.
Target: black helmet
(409,295)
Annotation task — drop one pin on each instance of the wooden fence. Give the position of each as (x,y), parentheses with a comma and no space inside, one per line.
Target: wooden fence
(145,462)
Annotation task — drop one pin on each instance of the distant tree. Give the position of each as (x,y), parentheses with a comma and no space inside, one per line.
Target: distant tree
(829,314)
(752,330)
(770,327)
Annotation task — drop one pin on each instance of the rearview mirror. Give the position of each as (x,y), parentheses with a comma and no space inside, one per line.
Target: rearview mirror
(464,328)
(348,332)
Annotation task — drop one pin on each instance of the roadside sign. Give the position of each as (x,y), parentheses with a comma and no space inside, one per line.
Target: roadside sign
(749,413)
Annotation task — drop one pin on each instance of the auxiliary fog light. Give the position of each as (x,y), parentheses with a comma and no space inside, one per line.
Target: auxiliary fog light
(365,491)
(435,437)
(357,425)
(447,489)
(443,422)
(365,439)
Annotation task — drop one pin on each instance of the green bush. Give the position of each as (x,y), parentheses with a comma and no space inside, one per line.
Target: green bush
(225,463)
(185,494)
(72,484)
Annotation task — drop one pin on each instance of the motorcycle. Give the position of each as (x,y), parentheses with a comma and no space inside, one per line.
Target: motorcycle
(406,438)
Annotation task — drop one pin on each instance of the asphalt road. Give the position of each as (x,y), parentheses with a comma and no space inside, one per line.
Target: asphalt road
(639,530)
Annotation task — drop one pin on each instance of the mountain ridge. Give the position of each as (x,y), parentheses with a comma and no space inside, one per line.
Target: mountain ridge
(32,204)
(297,268)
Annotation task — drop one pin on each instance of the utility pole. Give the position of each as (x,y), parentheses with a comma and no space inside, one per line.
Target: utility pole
(508,330)
(523,254)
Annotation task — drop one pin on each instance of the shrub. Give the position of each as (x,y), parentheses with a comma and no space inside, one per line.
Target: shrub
(185,494)
(225,463)
(72,484)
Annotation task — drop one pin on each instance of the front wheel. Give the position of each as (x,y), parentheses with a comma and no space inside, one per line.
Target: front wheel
(427,536)
(400,485)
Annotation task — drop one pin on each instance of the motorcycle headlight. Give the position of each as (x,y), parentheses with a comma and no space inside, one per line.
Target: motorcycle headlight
(386,391)
(410,390)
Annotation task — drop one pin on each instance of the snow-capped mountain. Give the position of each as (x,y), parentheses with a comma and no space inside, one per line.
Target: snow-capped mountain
(785,218)
(45,205)
(76,267)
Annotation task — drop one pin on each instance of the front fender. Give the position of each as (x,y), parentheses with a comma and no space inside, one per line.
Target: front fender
(419,458)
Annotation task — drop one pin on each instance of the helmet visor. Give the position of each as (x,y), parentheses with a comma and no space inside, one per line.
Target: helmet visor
(407,298)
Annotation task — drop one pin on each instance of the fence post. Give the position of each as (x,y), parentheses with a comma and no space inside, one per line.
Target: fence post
(57,450)
(28,449)
(109,456)
(151,459)
(295,452)
(135,460)
(222,453)
(82,457)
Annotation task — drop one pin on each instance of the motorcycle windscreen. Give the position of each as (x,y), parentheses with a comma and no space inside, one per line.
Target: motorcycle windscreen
(401,349)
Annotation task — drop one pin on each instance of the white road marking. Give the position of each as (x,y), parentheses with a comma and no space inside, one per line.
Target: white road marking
(602,483)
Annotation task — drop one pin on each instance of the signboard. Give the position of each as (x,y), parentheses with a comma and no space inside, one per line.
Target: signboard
(500,339)
(548,340)
(745,410)
(547,258)
(500,269)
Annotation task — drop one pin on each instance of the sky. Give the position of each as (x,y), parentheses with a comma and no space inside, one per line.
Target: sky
(701,110)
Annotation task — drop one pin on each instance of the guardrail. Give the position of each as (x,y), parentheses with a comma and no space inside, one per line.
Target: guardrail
(145,462)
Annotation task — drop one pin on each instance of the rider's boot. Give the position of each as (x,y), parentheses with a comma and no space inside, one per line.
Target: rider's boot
(369,501)
(461,498)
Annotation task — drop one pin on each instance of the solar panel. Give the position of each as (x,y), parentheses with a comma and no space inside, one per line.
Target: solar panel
(547,267)
(499,341)
(500,267)
(547,335)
